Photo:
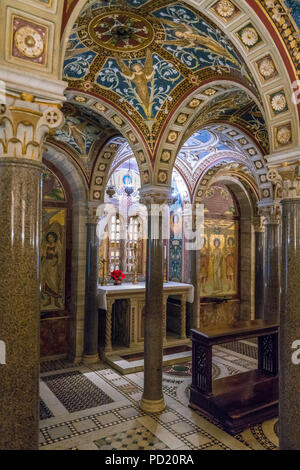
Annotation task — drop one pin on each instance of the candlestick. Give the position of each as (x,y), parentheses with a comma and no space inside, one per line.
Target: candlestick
(103,283)
(165,265)
(135,276)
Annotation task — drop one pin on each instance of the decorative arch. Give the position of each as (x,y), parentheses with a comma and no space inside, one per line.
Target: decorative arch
(79,189)
(282,125)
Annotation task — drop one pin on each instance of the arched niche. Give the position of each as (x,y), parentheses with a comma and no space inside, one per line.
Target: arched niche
(62,163)
(239,304)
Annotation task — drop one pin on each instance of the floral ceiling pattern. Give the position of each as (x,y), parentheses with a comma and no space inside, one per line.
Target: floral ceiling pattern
(144,56)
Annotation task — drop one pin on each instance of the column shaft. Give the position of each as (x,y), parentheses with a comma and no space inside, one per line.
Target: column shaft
(195,306)
(289,376)
(271,273)
(91,291)
(153,400)
(20,221)
(259,276)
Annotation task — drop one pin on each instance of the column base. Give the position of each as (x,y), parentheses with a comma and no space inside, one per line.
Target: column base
(91,359)
(152,406)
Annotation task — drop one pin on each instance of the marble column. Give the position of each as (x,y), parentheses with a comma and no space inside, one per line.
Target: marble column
(24,124)
(289,376)
(194,265)
(194,279)
(272,265)
(152,399)
(259,267)
(183,317)
(91,324)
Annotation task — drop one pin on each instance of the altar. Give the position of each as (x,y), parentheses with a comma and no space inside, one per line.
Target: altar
(130,318)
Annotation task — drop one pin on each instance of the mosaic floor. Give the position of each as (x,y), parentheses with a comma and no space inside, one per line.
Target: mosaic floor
(98,409)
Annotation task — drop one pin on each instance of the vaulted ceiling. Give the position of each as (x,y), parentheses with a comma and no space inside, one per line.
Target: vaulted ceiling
(144,56)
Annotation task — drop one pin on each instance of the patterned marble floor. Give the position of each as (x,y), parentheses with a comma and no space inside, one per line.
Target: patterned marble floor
(98,409)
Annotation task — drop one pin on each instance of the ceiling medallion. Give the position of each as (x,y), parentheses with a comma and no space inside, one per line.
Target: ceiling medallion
(121,32)
(266,68)
(225,8)
(279,102)
(284,135)
(249,36)
(29,42)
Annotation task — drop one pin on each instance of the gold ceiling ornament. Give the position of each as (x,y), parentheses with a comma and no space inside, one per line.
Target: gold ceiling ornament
(194,103)
(145,177)
(182,118)
(141,157)
(249,36)
(278,102)
(118,120)
(162,177)
(284,135)
(80,99)
(225,8)
(210,92)
(166,156)
(100,107)
(172,137)
(267,68)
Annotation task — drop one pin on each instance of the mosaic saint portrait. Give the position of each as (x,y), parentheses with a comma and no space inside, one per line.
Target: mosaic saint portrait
(53,259)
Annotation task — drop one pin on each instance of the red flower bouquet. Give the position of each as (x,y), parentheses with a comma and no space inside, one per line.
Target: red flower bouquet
(117,276)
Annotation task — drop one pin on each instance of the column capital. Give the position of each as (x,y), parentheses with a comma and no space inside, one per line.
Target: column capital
(92,213)
(271,214)
(286,180)
(24,124)
(258,224)
(155,194)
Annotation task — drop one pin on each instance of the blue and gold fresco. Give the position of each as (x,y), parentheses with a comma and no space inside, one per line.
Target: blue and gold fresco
(145,84)
(238,108)
(295,10)
(79,134)
(140,55)
(194,42)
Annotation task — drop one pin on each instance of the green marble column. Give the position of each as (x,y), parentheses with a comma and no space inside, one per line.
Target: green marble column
(20,220)
(289,375)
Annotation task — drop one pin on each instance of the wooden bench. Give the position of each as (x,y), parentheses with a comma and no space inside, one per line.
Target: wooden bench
(244,399)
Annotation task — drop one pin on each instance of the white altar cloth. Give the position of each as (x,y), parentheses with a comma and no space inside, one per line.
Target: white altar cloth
(129,288)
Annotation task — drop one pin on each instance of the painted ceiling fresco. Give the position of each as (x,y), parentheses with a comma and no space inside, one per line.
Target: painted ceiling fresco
(82,130)
(238,108)
(203,144)
(143,56)
(294,5)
